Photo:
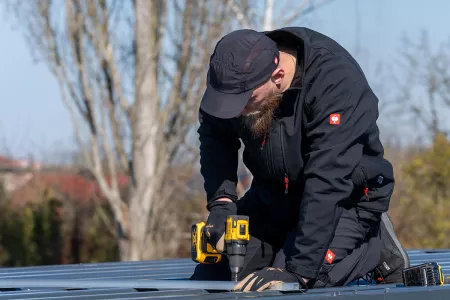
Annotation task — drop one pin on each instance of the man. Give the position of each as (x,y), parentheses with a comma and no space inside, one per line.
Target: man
(307,117)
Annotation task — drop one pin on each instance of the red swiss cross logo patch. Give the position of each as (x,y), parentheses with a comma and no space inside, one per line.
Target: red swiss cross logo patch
(330,256)
(335,119)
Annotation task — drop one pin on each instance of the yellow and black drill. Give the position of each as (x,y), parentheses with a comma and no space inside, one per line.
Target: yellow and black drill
(236,239)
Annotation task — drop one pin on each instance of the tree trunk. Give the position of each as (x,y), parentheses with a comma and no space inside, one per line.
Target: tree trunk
(145,132)
(268,12)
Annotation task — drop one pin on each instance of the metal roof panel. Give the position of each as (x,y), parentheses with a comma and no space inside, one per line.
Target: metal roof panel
(181,269)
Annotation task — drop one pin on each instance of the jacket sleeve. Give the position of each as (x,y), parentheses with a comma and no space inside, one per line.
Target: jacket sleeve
(219,146)
(340,113)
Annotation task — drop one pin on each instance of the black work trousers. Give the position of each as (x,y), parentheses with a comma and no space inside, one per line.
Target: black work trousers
(355,246)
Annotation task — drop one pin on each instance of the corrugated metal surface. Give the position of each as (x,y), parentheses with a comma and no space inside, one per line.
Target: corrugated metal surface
(181,269)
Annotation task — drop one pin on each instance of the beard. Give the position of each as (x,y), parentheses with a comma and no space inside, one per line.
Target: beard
(259,122)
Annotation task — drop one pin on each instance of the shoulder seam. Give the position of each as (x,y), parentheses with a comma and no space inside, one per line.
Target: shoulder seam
(358,68)
(310,108)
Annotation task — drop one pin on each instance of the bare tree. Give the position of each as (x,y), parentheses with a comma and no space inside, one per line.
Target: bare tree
(131,74)
(424,86)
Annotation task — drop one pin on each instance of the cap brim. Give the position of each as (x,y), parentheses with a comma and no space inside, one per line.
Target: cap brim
(224,106)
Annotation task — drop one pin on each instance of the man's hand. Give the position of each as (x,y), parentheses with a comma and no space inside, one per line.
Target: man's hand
(214,229)
(267,277)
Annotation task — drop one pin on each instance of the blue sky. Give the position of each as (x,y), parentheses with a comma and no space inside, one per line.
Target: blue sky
(34,119)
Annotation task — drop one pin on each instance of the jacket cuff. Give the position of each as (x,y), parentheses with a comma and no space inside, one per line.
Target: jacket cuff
(226,190)
(301,270)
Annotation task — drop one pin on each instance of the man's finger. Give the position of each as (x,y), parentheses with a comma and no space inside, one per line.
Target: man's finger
(267,285)
(220,246)
(261,279)
(250,285)
(241,283)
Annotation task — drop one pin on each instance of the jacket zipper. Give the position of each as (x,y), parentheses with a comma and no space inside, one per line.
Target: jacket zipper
(263,142)
(267,153)
(286,177)
(286,184)
(366,186)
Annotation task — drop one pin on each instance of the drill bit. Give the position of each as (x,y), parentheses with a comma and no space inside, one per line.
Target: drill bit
(234,274)
(236,263)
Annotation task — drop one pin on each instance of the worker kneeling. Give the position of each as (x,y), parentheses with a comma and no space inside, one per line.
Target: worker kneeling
(318,202)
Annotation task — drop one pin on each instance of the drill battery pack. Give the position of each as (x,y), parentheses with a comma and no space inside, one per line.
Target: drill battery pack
(428,274)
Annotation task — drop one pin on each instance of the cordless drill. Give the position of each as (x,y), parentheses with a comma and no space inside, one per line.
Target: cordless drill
(236,239)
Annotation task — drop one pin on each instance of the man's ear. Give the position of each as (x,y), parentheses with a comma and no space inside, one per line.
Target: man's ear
(277,76)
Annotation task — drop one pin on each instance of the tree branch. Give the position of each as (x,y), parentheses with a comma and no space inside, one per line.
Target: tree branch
(294,12)
(241,17)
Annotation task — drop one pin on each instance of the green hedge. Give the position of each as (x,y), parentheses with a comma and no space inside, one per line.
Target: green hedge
(36,235)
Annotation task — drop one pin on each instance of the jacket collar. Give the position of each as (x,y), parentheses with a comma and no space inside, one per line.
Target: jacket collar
(296,36)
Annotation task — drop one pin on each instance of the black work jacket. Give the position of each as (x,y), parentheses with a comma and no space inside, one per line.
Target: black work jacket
(322,152)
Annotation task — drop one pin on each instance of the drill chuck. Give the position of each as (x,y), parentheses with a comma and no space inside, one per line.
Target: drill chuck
(236,252)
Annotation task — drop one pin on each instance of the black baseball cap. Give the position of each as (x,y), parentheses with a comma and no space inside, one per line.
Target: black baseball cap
(242,60)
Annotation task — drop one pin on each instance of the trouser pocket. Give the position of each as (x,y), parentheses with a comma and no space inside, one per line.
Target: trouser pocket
(347,269)
(355,250)
(356,265)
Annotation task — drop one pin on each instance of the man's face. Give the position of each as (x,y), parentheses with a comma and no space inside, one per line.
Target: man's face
(258,112)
